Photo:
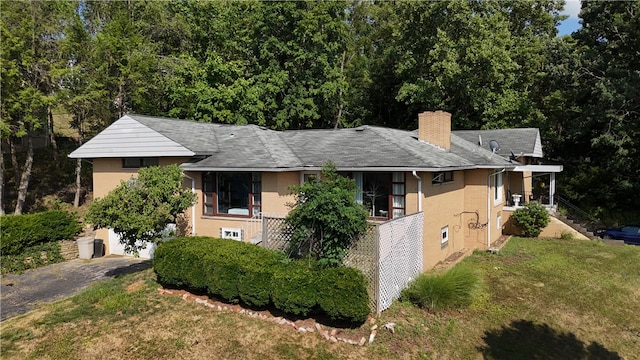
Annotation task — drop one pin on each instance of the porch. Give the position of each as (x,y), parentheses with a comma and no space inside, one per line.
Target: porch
(532,183)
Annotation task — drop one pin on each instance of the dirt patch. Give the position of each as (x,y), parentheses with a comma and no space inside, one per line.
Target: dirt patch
(357,336)
(135,286)
(452,259)
(502,240)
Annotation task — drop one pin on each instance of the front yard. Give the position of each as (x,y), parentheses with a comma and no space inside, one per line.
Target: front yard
(540,299)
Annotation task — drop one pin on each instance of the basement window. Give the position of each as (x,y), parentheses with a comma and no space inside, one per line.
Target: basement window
(444,237)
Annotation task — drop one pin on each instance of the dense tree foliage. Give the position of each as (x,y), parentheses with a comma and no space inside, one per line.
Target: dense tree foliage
(139,210)
(325,219)
(294,65)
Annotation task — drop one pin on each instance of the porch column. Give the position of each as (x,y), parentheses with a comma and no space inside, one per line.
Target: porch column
(552,187)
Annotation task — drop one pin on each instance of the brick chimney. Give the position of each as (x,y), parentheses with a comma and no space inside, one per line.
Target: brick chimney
(434,127)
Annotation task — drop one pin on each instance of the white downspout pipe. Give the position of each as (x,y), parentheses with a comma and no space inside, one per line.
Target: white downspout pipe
(415,175)
(489,205)
(193,207)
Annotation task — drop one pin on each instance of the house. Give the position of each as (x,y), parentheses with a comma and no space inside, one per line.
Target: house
(240,172)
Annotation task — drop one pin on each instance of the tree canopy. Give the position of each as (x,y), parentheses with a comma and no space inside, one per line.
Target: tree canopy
(295,65)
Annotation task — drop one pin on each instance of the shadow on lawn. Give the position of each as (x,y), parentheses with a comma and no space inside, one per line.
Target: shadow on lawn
(129,269)
(526,340)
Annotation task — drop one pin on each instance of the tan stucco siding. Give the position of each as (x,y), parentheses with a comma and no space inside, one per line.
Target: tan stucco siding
(411,192)
(276,193)
(477,198)
(475,202)
(442,207)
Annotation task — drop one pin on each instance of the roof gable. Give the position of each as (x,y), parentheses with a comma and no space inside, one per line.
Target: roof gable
(127,137)
(525,141)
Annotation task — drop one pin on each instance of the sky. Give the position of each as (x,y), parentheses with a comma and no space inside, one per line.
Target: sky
(571,8)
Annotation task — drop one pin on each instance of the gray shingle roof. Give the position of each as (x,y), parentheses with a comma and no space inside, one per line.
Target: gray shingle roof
(520,140)
(195,136)
(252,147)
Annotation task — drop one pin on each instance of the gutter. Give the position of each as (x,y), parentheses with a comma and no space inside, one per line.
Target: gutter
(489,205)
(415,175)
(193,207)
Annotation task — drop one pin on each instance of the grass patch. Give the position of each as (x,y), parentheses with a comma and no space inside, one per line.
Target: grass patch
(537,299)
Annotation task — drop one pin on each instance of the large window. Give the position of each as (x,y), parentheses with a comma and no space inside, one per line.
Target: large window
(232,193)
(383,194)
(134,163)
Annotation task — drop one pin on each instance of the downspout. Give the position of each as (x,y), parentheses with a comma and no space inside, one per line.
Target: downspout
(193,207)
(489,205)
(415,175)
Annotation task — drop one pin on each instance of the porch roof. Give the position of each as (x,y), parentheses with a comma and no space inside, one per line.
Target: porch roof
(538,168)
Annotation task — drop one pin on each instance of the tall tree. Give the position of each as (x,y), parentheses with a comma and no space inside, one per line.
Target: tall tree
(605,173)
(477,60)
(31,32)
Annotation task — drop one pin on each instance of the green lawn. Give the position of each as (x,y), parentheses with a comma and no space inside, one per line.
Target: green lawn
(540,299)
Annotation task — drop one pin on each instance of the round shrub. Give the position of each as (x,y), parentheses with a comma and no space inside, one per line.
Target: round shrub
(342,294)
(531,218)
(293,288)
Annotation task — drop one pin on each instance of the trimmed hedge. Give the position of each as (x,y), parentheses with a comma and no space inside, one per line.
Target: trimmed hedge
(237,271)
(229,269)
(23,231)
(294,290)
(343,295)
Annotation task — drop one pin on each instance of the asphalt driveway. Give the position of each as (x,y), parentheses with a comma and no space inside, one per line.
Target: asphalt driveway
(23,293)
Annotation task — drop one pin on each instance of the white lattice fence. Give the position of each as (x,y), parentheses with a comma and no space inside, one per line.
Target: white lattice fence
(362,256)
(275,234)
(399,257)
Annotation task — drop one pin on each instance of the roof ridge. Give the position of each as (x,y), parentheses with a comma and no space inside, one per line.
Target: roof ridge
(159,133)
(272,149)
(401,144)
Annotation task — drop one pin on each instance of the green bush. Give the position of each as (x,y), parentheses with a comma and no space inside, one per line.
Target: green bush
(531,218)
(454,288)
(229,269)
(179,262)
(293,288)
(236,271)
(325,219)
(342,294)
(32,257)
(23,231)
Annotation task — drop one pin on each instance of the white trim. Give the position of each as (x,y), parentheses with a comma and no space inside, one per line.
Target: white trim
(498,189)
